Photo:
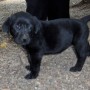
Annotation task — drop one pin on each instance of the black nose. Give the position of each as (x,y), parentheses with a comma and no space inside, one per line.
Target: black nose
(24,40)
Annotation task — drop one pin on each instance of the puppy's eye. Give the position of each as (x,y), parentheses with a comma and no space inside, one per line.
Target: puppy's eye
(18,27)
(30,27)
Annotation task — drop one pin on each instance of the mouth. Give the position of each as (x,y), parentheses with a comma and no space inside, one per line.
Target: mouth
(22,43)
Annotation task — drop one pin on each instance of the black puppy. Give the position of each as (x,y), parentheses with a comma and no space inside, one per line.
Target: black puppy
(49,37)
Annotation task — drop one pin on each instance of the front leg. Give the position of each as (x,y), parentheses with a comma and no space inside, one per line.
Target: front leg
(35,62)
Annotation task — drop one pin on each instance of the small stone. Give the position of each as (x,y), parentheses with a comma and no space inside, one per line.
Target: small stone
(37,85)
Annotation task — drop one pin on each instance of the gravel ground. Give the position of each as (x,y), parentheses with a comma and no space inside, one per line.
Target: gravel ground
(54,74)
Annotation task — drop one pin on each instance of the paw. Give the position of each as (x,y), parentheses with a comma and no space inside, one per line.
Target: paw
(28,67)
(75,69)
(31,76)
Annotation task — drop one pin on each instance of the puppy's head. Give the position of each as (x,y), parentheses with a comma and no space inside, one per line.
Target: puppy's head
(23,27)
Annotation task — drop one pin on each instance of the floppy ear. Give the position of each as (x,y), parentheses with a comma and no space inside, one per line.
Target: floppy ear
(6,26)
(37,24)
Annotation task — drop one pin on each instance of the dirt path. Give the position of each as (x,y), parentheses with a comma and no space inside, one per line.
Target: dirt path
(54,73)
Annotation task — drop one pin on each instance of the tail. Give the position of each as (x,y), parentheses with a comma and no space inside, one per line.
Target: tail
(85,19)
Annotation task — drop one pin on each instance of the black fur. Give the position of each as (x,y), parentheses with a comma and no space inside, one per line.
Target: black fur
(49,37)
(52,9)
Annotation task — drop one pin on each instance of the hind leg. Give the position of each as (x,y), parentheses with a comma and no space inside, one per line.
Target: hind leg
(79,64)
(81,53)
(88,54)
